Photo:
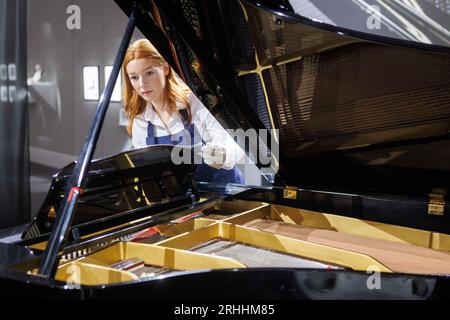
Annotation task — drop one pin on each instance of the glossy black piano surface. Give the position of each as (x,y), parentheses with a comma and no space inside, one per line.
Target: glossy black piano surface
(358,190)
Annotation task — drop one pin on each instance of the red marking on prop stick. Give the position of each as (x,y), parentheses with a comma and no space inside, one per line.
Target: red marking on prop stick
(72,192)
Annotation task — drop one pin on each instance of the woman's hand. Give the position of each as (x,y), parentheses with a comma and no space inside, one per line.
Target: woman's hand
(215,155)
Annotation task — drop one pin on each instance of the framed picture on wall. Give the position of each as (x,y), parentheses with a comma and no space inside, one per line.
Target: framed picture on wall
(12,72)
(91,83)
(4,93)
(12,93)
(3,72)
(117,92)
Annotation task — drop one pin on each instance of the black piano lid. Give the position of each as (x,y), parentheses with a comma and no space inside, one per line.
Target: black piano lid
(356,112)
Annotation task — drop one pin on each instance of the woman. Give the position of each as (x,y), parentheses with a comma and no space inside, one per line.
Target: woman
(162,110)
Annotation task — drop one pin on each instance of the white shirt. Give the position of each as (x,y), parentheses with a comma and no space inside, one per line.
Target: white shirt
(208,127)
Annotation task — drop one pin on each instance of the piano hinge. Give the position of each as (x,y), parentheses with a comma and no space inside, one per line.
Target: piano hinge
(290,192)
(436,202)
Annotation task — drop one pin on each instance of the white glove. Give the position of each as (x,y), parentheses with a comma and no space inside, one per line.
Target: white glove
(214,155)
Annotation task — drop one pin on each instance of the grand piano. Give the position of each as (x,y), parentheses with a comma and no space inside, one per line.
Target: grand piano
(353,206)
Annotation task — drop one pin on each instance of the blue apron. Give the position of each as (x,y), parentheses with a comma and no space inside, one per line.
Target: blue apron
(203,172)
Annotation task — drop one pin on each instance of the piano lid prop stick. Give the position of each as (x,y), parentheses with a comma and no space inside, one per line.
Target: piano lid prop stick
(75,185)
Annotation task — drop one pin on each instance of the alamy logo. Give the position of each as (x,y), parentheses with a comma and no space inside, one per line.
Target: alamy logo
(374,20)
(73,21)
(374,280)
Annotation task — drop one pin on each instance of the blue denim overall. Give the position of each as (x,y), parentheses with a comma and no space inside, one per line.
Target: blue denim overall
(203,172)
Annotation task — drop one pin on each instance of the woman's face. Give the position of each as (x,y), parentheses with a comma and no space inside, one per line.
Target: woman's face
(148,78)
